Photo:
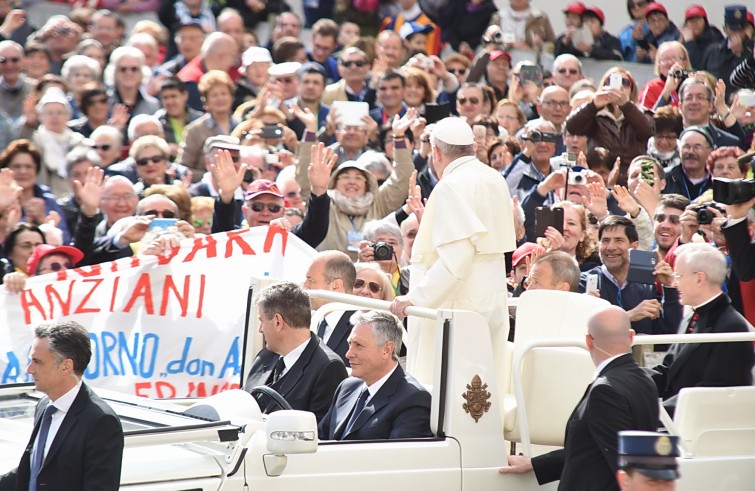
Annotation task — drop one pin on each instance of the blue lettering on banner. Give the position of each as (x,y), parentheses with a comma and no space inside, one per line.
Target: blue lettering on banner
(112,354)
(194,366)
(232,360)
(12,372)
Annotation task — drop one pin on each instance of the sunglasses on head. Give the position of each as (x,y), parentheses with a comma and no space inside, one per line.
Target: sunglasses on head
(471,100)
(661,217)
(374,287)
(146,160)
(258,206)
(161,214)
(55,267)
(356,63)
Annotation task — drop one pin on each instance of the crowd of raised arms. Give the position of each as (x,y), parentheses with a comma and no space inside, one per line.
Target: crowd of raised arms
(112,118)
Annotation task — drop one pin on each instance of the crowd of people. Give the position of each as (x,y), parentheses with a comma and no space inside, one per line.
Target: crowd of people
(341,136)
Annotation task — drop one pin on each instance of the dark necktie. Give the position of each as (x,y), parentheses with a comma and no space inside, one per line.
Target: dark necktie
(39,448)
(692,323)
(357,409)
(321,328)
(278,370)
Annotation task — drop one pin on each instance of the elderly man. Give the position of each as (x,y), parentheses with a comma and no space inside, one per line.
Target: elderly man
(697,101)
(691,178)
(353,69)
(379,401)
(255,62)
(189,36)
(332,271)
(533,164)
(555,270)
(60,35)
(77,442)
(567,69)
(219,52)
(700,270)
(466,229)
(622,397)
(295,362)
(14,86)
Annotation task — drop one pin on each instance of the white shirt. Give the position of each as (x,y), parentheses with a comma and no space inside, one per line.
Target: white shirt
(332,319)
(293,356)
(374,388)
(63,405)
(603,364)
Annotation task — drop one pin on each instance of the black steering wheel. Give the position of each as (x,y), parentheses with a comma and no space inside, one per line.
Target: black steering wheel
(272,394)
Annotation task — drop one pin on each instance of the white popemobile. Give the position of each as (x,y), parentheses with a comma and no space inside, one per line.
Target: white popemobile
(225,443)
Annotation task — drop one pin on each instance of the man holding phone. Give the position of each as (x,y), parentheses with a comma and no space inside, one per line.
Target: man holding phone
(649,312)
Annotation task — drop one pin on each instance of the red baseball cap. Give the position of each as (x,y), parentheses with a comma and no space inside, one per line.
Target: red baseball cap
(596,12)
(577,8)
(43,250)
(262,186)
(751,18)
(497,53)
(655,7)
(525,250)
(695,11)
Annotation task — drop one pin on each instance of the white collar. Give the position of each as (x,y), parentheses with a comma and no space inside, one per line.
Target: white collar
(294,355)
(709,300)
(605,363)
(374,388)
(64,402)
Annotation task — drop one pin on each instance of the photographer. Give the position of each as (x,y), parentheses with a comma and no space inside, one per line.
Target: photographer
(533,164)
(672,66)
(384,244)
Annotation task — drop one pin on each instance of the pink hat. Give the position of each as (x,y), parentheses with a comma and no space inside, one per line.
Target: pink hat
(43,250)
(524,250)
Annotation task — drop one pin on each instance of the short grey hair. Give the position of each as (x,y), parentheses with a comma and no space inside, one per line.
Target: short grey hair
(149,141)
(694,81)
(116,57)
(705,259)
(565,268)
(452,152)
(561,59)
(81,154)
(374,228)
(80,61)
(376,162)
(141,119)
(111,132)
(539,123)
(385,327)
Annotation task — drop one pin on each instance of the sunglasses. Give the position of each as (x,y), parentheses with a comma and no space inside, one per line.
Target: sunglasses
(457,71)
(124,69)
(201,222)
(661,217)
(471,100)
(105,147)
(146,160)
(374,287)
(9,59)
(161,214)
(258,206)
(55,267)
(571,71)
(357,63)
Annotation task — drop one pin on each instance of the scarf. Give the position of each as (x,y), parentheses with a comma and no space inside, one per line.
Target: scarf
(358,206)
(55,146)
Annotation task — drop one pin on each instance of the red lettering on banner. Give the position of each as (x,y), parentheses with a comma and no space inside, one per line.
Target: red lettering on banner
(81,308)
(65,305)
(95,270)
(183,300)
(114,291)
(29,301)
(163,390)
(143,289)
(235,237)
(61,275)
(113,266)
(272,231)
(199,389)
(202,279)
(135,261)
(208,243)
(165,259)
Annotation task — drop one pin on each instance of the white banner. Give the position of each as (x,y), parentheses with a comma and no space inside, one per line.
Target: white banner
(160,327)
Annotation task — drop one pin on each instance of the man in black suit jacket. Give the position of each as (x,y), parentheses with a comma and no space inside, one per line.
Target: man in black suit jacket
(622,397)
(295,363)
(334,271)
(81,445)
(741,248)
(700,272)
(380,401)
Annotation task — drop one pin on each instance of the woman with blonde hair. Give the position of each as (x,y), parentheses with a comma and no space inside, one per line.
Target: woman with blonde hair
(672,66)
(372,282)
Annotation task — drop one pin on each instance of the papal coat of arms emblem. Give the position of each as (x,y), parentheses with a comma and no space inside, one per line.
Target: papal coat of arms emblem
(477,398)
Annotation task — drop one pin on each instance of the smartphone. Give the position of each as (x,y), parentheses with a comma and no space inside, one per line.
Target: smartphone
(248,176)
(647,173)
(615,81)
(350,113)
(436,112)
(641,266)
(532,73)
(592,283)
(746,98)
(272,158)
(162,223)
(546,217)
(271,131)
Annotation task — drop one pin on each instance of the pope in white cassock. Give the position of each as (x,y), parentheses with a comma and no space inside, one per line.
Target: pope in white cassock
(467,227)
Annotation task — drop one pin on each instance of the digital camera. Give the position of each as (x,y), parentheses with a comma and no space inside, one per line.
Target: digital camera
(577,175)
(680,73)
(537,136)
(383,251)
(704,215)
(732,191)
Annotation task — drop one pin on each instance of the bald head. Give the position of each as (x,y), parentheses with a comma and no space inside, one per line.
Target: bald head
(219,51)
(609,333)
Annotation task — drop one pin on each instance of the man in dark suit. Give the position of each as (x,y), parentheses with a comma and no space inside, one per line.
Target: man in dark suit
(622,397)
(700,270)
(741,248)
(379,401)
(77,442)
(334,271)
(296,363)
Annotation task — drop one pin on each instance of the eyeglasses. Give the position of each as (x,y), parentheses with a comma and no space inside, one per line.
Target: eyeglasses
(471,100)
(570,71)
(356,63)
(697,147)
(695,97)
(55,267)
(556,103)
(201,222)
(678,277)
(9,59)
(28,245)
(661,217)
(146,160)
(374,287)
(671,60)
(161,213)
(457,71)
(351,177)
(104,147)
(121,197)
(133,69)
(258,206)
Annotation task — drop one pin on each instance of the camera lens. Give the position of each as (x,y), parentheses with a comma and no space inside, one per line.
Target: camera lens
(578,179)
(704,217)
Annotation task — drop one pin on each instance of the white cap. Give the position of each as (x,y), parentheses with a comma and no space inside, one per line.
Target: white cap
(52,95)
(255,54)
(454,131)
(286,69)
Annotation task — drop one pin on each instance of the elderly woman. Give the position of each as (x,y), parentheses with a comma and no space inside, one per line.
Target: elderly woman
(355,195)
(107,141)
(216,89)
(77,71)
(18,247)
(614,121)
(93,106)
(672,66)
(124,76)
(94,50)
(372,282)
(54,139)
(25,160)
(152,156)
(664,145)
(724,162)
